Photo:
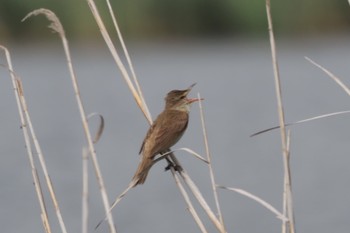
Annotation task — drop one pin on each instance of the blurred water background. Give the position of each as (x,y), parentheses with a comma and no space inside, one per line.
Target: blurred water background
(224,47)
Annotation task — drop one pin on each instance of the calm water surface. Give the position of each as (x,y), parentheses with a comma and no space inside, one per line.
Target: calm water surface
(235,77)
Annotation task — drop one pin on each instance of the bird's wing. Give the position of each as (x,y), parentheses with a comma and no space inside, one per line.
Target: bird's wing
(169,132)
(149,132)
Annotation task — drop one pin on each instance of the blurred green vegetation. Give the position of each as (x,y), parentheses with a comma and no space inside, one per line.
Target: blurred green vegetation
(181,18)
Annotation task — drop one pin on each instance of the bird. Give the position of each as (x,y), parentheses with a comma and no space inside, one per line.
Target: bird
(165,131)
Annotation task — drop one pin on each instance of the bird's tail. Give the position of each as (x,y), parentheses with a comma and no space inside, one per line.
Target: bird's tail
(142,171)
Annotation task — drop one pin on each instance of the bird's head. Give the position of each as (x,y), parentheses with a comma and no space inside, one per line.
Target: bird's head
(177,99)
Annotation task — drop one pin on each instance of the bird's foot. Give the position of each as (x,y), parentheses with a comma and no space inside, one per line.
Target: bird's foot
(172,165)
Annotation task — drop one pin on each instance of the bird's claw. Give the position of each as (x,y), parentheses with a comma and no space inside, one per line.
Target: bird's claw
(171,165)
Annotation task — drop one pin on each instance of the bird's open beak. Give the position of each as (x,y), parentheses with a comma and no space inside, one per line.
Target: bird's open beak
(190,101)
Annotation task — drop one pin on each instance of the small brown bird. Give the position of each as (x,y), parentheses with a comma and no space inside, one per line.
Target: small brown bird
(165,131)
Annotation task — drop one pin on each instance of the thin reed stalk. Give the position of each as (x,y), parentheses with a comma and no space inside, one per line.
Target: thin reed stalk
(57,27)
(131,67)
(287,176)
(211,171)
(198,195)
(18,91)
(138,98)
(85,191)
(187,199)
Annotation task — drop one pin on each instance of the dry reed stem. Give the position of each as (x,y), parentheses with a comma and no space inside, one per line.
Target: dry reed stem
(131,67)
(288,193)
(18,93)
(212,177)
(141,103)
(198,195)
(187,199)
(287,186)
(41,157)
(57,26)
(85,191)
(39,191)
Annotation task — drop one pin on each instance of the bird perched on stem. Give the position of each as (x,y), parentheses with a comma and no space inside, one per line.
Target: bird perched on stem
(165,131)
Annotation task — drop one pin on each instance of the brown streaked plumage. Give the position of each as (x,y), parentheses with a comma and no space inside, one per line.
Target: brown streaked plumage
(165,131)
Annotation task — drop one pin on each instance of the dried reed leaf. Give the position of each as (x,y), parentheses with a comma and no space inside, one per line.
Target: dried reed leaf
(257,199)
(117,200)
(196,155)
(302,121)
(331,75)
(100,127)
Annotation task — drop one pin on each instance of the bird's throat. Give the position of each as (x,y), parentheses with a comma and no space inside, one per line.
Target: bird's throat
(182,108)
